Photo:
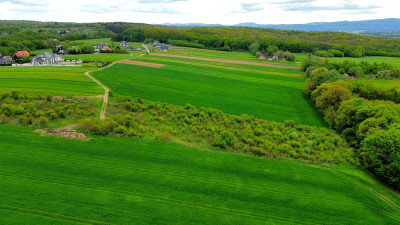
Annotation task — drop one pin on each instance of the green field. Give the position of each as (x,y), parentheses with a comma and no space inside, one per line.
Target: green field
(395,61)
(56,81)
(382,83)
(105,57)
(48,180)
(243,56)
(267,96)
(49,50)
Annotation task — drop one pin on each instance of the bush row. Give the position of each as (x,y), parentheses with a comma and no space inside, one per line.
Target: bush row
(40,110)
(214,128)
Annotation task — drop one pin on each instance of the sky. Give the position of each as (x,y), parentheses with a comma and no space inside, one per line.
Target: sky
(199,11)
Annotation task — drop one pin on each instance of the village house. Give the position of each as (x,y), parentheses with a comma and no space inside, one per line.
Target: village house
(123,44)
(101,45)
(6,61)
(163,48)
(273,58)
(20,54)
(59,49)
(156,44)
(4,34)
(106,49)
(46,59)
(96,51)
(131,48)
(262,56)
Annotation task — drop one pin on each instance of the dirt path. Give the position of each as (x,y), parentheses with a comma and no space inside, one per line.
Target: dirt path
(227,61)
(106,90)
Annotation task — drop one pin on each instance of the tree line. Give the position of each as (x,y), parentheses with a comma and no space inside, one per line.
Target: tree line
(366,115)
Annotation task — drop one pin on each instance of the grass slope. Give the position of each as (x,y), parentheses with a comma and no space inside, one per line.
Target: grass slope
(47,180)
(271,97)
(243,56)
(60,81)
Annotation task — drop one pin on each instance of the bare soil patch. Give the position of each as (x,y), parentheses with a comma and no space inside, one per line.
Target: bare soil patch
(228,61)
(148,64)
(67,133)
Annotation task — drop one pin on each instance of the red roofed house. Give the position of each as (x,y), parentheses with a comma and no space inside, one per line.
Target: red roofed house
(106,49)
(20,54)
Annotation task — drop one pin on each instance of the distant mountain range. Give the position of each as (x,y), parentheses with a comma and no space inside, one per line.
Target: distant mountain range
(346,26)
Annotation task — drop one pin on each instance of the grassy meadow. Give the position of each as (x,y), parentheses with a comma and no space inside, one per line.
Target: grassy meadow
(267,96)
(395,61)
(56,81)
(105,57)
(243,56)
(48,180)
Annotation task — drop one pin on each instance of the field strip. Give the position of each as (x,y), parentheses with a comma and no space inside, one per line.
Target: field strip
(227,61)
(229,68)
(140,63)
(167,200)
(198,158)
(47,89)
(50,215)
(102,165)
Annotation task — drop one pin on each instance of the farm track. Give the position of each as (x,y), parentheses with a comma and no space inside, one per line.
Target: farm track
(199,179)
(227,61)
(106,90)
(231,68)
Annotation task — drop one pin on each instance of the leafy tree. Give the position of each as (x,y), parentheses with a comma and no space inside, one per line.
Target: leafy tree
(254,48)
(356,71)
(382,155)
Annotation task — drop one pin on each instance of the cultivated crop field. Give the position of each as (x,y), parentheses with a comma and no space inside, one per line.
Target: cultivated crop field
(56,81)
(49,180)
(266,92)
(243,56)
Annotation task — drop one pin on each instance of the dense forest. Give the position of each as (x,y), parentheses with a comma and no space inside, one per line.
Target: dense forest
(30,35)
(240,38)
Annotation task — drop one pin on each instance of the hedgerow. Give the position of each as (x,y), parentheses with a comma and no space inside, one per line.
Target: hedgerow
(213,128)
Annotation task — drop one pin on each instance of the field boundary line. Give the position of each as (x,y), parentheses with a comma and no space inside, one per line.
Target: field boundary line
(227,61)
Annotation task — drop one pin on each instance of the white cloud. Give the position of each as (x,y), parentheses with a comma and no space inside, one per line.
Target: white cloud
(199,11)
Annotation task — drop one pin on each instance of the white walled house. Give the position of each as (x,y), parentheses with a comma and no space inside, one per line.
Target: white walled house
(46,59)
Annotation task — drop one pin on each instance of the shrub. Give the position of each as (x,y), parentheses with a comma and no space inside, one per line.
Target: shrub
(356,71)
(43,122)
(384,74)
(336,53)
(395,73)
(90,126)
(324,54)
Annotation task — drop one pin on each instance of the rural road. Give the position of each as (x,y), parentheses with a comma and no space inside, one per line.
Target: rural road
(106,90)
